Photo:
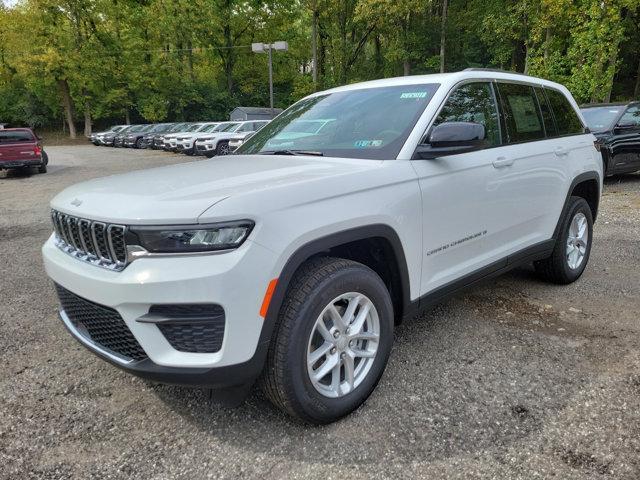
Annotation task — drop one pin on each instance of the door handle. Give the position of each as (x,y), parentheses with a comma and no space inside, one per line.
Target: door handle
(561,152)
(502,162)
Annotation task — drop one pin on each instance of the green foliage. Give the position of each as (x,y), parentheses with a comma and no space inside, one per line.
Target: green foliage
(162,60)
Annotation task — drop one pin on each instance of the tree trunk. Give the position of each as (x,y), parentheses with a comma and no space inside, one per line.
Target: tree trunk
(67,105)
(613,58)
(127,117)
(314,43)
(547,45)
(636,90)
(87,120)
(443,31)
(379,61)
(406,68)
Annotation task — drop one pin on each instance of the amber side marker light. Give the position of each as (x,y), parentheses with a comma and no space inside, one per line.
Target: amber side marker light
(267,297)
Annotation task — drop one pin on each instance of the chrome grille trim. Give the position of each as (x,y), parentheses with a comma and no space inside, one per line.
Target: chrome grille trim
(97,243)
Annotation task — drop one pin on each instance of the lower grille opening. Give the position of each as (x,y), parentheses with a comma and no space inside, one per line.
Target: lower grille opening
(194,328)
(102,325)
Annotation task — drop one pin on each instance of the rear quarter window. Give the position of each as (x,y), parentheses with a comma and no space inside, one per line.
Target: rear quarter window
(16,136)
(567,120)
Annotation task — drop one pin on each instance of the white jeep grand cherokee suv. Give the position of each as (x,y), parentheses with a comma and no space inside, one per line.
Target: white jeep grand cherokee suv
(291,262)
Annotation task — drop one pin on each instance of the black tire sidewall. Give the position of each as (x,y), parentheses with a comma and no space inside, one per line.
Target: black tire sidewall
(577,205)
(313,404)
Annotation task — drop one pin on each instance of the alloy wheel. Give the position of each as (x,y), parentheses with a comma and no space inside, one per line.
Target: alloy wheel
(343,344)
(577,240)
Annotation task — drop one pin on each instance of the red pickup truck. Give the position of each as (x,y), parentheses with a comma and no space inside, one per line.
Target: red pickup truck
(21,148)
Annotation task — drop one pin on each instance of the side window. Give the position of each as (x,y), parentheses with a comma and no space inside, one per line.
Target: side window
(545,109)
(567,119)
(245,128)
(522,116)
(473,102)
(631,116)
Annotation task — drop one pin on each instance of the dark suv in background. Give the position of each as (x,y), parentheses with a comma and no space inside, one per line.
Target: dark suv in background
(617,127)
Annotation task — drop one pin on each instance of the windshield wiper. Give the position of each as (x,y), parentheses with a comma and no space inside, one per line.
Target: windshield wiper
(293,152)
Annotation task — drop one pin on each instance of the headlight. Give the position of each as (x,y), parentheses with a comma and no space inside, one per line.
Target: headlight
(191,238)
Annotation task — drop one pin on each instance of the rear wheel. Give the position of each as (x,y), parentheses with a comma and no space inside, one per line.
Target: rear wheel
(332,341)
(138,143)
(573,245)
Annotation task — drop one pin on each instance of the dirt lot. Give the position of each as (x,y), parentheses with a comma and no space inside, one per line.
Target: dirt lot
(518,379)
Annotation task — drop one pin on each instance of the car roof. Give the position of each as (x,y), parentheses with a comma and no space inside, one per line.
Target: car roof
(17,129)
(446,79)
(611,104)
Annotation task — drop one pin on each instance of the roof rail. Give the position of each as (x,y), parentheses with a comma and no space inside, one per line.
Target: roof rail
(496,70)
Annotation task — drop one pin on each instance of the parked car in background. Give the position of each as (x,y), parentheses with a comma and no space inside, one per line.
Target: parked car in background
(218,144)
(234,144)
(96,138)
(156,140)
(133,138)
(21,148)
(149,136)
(617,128)
(108,139)
(170,142)
(118,140)
(184,142)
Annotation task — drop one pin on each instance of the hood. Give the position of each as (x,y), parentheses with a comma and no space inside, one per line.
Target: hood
(182,193)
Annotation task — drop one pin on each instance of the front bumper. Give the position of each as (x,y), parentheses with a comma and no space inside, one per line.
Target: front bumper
(9,164)
(197,279)
(206,147)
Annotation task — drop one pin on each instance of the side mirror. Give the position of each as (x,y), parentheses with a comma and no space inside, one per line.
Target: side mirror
(452,138)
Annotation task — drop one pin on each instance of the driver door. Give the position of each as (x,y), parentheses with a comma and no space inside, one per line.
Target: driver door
(460,210)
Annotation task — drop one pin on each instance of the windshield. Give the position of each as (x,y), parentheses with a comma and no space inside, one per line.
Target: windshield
(601,118)
(136,128)
(209,128)
(14,136)
(370,123)
(202,127)
(226,127)
(178,127)
(192,128)
(159,128)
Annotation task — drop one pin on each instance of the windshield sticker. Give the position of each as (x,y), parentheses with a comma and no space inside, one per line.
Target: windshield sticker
(367,143)
(414,95)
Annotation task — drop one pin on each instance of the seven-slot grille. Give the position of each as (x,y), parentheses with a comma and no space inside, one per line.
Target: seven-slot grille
(98,243)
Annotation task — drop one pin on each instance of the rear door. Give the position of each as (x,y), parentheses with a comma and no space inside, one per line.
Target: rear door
(530,187)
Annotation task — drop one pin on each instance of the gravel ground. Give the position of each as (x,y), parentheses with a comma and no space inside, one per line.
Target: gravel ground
(518,379)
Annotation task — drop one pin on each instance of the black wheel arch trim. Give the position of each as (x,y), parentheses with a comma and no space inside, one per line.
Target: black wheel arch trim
(583,177)
(333,240)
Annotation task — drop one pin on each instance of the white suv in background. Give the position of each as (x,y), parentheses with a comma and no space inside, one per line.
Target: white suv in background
(218,144)
(291,262)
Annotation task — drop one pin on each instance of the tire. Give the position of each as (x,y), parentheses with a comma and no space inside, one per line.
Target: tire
(222,148)
(42,168)
(138,143)
(286,380)
(562,267)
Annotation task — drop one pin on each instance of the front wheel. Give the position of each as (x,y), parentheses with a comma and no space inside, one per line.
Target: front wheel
(573,245)
(222,148)
(332,341)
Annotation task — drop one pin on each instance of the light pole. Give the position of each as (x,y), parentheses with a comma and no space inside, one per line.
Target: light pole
(267,47)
